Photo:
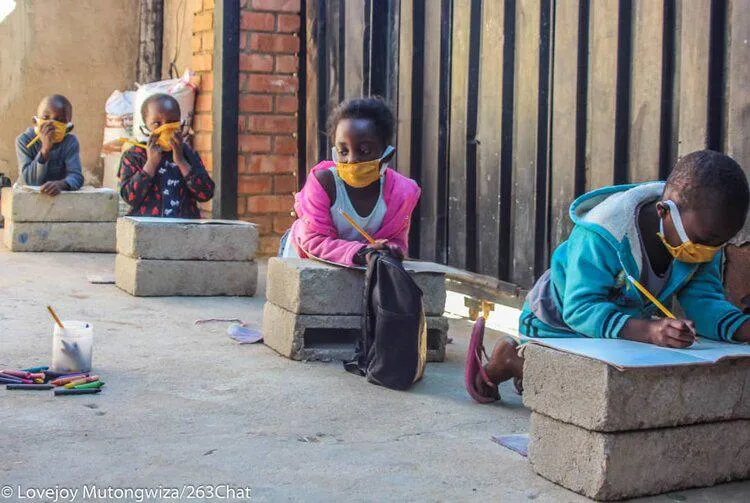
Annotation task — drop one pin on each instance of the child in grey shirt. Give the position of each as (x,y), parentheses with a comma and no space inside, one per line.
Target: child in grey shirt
(48,155)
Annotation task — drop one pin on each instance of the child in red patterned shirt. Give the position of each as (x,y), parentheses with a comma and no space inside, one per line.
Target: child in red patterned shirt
(167,178)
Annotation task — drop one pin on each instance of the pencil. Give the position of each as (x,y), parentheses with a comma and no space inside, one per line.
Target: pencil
(653,299)
(57,320)
(33,141)
(359,229)
(133,142)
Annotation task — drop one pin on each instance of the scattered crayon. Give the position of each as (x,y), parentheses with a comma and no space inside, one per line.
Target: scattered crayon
(36,369)
(61,381)
(90,385)
(18,379)
(78,382)
(38,381)
(34,376)
(16,373)
(10,380)
(29,386)
(59,392)
(51,374)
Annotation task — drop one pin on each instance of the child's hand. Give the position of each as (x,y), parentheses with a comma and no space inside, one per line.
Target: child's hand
(671,333)
(177,151)
(46,137)
(53,188)
(153,155)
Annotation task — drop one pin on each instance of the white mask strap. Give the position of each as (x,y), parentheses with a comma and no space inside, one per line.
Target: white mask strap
(334,154)
(677,220)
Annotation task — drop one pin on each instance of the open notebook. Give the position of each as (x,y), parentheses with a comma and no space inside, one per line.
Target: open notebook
(623,354)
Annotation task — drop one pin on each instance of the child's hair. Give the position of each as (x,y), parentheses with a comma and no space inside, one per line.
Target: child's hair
(708,179)
(156,98)
(60,101)
(373,108)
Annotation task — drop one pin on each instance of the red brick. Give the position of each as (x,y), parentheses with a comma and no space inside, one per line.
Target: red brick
(256,63)
(203,62)
(208,161)
(272,164)
(254,185)
(285,145)
(284,184)
(196,43)
(203,102)
(266,42)
(207,82)
(264,222)
(289,23)
(272,83)
(258,21)
(203,122)
(203,21)
(256,103)
(272,124)
(254,143)
(202,141)
(286,64)
(241,205)
(269,245)
(270,204)
(282,222)
(208,41)
(277,5)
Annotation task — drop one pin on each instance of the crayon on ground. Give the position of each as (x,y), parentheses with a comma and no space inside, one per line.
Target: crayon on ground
(60,392)
(35,387)
(90,385)
(83,380)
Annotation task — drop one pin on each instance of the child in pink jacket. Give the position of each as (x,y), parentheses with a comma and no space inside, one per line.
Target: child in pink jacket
(359,183)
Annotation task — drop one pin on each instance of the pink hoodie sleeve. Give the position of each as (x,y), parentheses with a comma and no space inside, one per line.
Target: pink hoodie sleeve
(314,233)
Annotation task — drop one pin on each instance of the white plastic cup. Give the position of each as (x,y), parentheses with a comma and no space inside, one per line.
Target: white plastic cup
(72,347)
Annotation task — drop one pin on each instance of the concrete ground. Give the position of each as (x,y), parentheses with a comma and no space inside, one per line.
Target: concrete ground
(186,405)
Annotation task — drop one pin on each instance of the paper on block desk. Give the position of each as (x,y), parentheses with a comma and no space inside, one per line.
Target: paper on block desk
(622,354)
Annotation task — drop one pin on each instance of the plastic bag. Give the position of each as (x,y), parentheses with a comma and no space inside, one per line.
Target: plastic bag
(181,89)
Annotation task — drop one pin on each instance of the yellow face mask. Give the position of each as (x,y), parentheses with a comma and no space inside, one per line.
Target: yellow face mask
(688,252)
(362,174)
(61,130)
(165,133)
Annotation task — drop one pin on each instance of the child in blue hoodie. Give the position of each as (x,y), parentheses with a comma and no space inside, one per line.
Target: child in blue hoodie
(668,236)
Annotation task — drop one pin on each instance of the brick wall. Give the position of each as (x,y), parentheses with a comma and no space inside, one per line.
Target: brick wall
(267,164)
(267,129)
(202,65)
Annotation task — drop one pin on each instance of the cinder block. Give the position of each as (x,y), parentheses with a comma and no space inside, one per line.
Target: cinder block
(23,204)
(596,396)
(186,239)
(332,337)
(165,278)
(613,466)
(59,236)
(313,287)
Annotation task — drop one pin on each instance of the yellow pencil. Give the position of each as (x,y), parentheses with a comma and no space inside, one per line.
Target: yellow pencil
(653,299)
(359,229)
(132,142)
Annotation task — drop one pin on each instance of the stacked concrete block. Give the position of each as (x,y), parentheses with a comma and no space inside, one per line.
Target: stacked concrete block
(76,221)
(314,310)
(182,257)
(611,434)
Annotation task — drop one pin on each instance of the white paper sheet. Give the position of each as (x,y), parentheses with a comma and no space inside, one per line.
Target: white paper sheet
(623,354)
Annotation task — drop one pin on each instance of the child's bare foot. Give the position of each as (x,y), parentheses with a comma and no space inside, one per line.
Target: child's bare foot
(504,364)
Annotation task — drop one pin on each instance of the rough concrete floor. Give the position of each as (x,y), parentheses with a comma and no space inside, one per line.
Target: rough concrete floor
(187,405)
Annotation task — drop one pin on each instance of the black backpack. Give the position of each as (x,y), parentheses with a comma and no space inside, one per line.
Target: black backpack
(392,349)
